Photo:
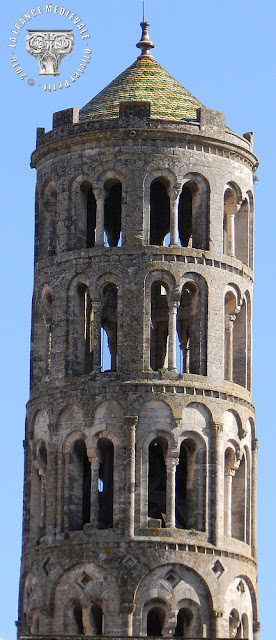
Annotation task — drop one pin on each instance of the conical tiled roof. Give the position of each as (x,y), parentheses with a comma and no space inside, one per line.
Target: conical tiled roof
(145,80)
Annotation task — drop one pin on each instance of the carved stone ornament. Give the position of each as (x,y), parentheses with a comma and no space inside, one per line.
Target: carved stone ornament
(49,48)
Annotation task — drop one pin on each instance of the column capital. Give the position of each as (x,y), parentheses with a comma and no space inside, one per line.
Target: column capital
(91,455)
(128,608)
(175,191)
(217,614)
(229,320)
(96,305)
(243,433)
(217,427)
(256,626)
(172,459)
(131,421)
(99,194)
(174,304)
(255,444)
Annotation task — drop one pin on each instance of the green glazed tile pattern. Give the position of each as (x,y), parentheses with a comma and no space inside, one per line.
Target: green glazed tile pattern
(145,80)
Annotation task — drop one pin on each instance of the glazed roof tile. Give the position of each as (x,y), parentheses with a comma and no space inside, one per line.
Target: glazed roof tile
(144,80)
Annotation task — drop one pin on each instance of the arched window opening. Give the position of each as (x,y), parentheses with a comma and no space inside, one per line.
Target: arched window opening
(157,480)
(239,502)
(186,487)
(185,225)
(105,353)
(244,626)
(38,492)
(77,619)
(79,487)
(47,229)
(159,212)
(193,216)
(113,213)
(105,484)
(85,216)
(191,330)
(91,218)
(159,327)
(83,331)
(109,325)
(248,341)
(240,347)
(230,209)
(96,620)
(184,320)
(234,624)
(155,622)
(230,317)
(37,224)
(47,302)
(235,496)
(242,232)
(42,457)
(247,497)
(181,489)
(251,228)
(185,624)
(35,503)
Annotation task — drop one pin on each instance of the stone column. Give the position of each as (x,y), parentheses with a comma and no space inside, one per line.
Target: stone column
(216,630)
(171,463)
(229,473)
(49,349)
(217,482)
(100,220)
(96,337)
(43,501)
(229,326)
(169,628)
(254,499)
(130,422)
(94,494)
(230,234)
(127,611)
(174,199)
(172,335)
(59,492)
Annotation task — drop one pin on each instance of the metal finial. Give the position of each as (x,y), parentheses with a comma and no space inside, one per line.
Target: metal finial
(143,10)
(145,44)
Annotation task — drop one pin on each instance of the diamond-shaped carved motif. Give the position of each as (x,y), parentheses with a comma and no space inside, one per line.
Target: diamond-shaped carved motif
(83,580)
(218,569)
(172,578)
(129,561)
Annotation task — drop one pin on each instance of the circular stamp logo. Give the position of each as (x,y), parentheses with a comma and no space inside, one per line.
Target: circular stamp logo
(49,47)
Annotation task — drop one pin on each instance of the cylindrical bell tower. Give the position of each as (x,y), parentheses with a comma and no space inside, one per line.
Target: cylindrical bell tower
(140,450)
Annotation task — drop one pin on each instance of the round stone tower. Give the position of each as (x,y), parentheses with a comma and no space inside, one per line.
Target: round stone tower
(140,472)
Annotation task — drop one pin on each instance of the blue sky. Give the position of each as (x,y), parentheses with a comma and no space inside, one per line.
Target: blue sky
(224,53)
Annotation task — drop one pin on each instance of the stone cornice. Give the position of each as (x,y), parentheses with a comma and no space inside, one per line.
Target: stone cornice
(184,135)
